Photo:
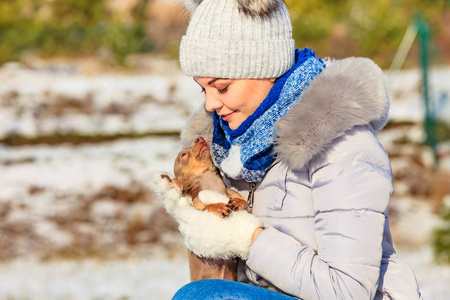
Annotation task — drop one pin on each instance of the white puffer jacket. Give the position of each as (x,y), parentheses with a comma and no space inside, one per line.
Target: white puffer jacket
(324,203)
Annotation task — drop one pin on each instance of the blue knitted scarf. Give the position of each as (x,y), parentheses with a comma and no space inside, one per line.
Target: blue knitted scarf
(246,153)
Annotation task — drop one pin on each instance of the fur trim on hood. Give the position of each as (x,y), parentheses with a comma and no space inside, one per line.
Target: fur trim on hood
(346,94)
(252,8)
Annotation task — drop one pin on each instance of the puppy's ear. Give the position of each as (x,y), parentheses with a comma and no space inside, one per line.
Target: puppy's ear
(164,176)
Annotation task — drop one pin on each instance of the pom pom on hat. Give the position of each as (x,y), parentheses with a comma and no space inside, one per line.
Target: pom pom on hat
(253,8)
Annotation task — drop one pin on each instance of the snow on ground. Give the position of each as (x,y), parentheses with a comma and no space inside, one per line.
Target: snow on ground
(152,279)
(433,279)
(80,168)
(136,279)
(407,101)
(58,201)
(37,102)
(71,198)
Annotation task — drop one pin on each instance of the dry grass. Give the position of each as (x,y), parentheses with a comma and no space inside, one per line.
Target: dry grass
(115,222)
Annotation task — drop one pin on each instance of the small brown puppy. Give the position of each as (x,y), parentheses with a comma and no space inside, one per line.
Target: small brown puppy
(194,172)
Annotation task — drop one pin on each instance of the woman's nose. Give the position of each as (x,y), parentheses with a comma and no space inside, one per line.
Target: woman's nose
(212,103)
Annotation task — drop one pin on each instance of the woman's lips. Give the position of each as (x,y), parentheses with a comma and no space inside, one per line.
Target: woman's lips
(227,117)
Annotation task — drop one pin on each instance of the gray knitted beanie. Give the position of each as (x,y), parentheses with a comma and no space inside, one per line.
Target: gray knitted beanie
(237,39)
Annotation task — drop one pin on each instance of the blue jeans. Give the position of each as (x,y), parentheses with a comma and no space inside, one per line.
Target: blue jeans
(217,289)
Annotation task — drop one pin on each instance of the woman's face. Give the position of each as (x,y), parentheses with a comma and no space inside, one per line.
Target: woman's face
(234,100)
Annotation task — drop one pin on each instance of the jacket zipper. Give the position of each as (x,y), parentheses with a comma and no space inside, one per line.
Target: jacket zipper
(251,194)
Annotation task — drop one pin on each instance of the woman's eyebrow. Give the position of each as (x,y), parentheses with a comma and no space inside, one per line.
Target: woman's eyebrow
(213,80)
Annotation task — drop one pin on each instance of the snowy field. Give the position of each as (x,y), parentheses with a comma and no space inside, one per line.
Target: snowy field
(139,279)
(80,222)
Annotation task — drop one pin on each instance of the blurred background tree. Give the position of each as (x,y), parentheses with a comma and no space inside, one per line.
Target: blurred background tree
(372,29)
(441,238)
(73,28)
(117,28)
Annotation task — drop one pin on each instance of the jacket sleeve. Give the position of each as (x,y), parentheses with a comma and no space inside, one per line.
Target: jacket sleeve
(350,198)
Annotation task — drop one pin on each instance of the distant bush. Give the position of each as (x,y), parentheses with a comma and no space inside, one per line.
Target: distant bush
(442,131)
(374,29)
(339,28)
(70,28)
(441,238)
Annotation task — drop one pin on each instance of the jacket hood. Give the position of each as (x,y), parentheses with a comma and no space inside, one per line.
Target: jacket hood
(348,93)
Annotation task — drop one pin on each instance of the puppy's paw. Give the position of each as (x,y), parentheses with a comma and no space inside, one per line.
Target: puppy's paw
(220,209)
(237,204)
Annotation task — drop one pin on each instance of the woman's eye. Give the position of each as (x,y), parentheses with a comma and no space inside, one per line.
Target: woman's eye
(223,91)
(203,90)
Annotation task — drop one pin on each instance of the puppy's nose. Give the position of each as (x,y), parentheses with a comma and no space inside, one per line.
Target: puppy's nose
(199,140)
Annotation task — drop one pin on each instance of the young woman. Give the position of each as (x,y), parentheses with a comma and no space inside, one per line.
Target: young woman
(298,135)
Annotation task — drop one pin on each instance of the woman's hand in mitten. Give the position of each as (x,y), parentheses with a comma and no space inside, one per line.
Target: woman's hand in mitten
(206,234)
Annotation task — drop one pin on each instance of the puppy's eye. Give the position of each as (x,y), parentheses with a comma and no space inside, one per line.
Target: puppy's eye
(184,157)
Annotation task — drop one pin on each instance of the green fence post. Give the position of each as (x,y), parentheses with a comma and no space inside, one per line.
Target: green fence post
(430,122)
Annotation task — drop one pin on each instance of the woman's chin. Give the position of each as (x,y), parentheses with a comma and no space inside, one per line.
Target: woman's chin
(234,124)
